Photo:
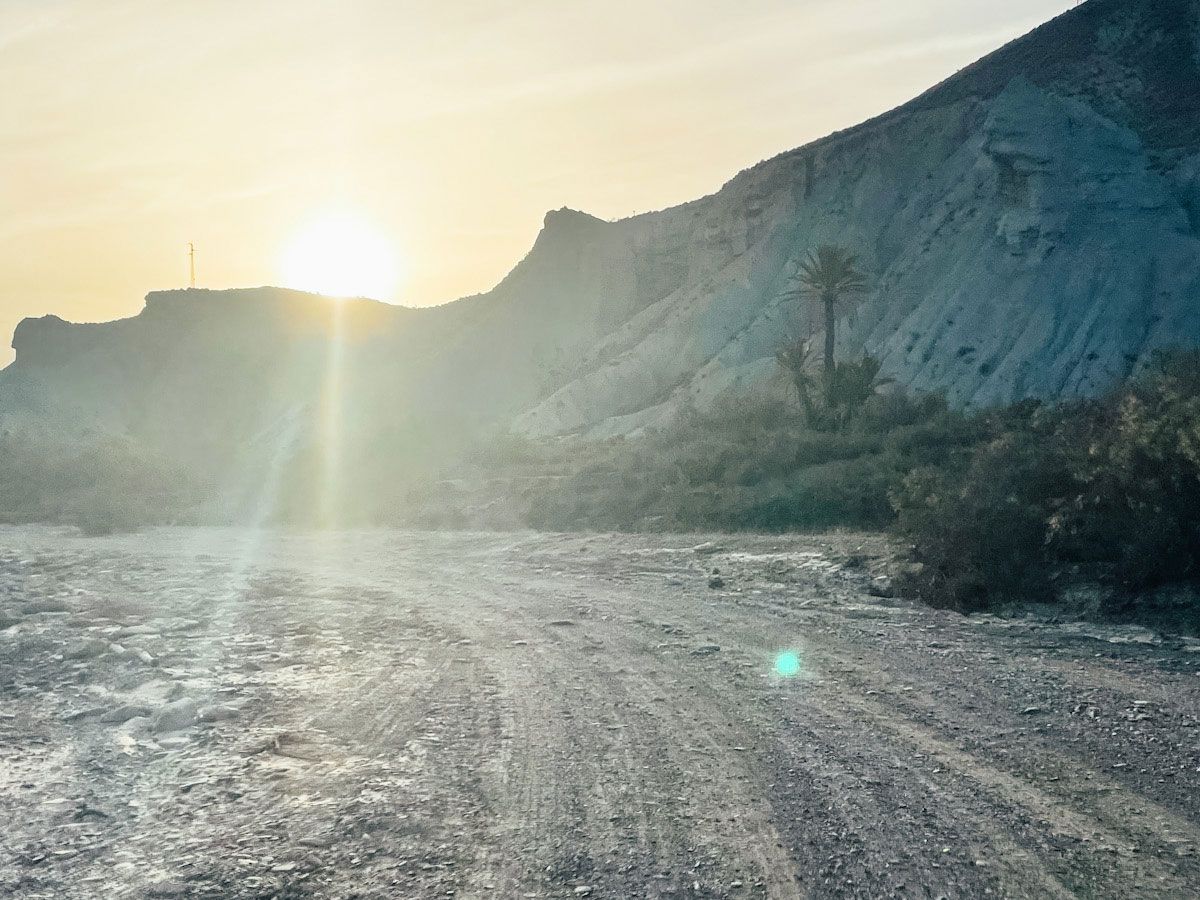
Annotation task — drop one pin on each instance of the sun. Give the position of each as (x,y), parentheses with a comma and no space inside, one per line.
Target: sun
(340,255)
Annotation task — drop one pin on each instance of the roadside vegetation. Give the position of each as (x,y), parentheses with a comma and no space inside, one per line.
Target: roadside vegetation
(1090,506)
(100,483)
(756,466)
(1102,492)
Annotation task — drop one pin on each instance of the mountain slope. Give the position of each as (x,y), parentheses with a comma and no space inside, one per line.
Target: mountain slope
(1031,227)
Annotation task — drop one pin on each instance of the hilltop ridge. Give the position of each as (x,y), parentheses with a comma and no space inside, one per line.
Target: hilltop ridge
(1031,228)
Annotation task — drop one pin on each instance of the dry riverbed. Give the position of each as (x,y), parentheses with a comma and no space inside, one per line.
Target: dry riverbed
(222,713)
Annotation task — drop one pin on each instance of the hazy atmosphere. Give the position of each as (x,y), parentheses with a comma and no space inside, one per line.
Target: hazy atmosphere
(450,128)
(539,451)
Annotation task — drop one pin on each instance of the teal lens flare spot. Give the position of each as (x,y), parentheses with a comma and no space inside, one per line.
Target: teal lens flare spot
(787,664)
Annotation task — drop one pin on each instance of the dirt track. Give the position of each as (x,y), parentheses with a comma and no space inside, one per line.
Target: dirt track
(400,715)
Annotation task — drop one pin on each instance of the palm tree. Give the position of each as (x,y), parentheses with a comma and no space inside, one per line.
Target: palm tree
(830,273)
(793,359)
(852,384)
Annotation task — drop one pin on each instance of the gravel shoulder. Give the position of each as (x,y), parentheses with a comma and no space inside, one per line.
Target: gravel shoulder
(223,713)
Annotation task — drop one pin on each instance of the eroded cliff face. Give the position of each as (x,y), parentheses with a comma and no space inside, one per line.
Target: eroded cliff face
(1031,236)
(1020,246)
(1071,260)
(1030,227)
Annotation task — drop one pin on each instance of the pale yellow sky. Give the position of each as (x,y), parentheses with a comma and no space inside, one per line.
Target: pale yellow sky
(133,126)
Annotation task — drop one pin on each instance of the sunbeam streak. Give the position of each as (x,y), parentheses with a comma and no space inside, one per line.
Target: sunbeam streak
(331,420)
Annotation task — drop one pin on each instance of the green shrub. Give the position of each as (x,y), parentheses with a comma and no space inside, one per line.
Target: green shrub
(102,483)
(845,492)
(1137,502)
(746,466)
(980,527)
(1108,487)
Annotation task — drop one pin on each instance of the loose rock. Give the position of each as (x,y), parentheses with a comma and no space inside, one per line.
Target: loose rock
(175,716)
(124,713)
(88,648)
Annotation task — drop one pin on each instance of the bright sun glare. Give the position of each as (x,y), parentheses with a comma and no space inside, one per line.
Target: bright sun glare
(340,255)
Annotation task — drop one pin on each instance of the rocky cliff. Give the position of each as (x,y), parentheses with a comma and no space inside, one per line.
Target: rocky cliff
(1031,227)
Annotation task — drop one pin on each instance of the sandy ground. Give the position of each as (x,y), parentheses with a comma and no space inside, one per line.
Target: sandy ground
(215,713)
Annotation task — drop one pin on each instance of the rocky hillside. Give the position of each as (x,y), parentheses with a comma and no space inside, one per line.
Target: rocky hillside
(1031,228)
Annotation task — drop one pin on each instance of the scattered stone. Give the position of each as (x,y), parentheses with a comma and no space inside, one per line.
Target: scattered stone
(1032,711)
(89,812)
(137,631)
(92,712)
(881,586)
(854,561)
(1112,634)
(175,716)
(88,648)
(47,606)
(584,890)
(124,713)
(716,581)
(168,888)
(219,713)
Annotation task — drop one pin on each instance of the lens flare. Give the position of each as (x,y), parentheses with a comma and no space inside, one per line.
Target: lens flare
(787,664)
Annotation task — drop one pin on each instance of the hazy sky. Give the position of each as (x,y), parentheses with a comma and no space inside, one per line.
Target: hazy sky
(133,126)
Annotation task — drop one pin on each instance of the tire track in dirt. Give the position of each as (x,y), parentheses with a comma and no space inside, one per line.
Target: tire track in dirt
(848,709)
(510,715)
(1021,801)
(609,748)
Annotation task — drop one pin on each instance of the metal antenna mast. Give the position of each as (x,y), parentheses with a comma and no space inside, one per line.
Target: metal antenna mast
(192,264)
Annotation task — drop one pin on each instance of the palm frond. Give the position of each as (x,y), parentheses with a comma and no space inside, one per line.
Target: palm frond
(831,270)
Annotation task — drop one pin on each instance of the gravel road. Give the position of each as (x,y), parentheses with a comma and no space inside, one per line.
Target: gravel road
(223,713)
